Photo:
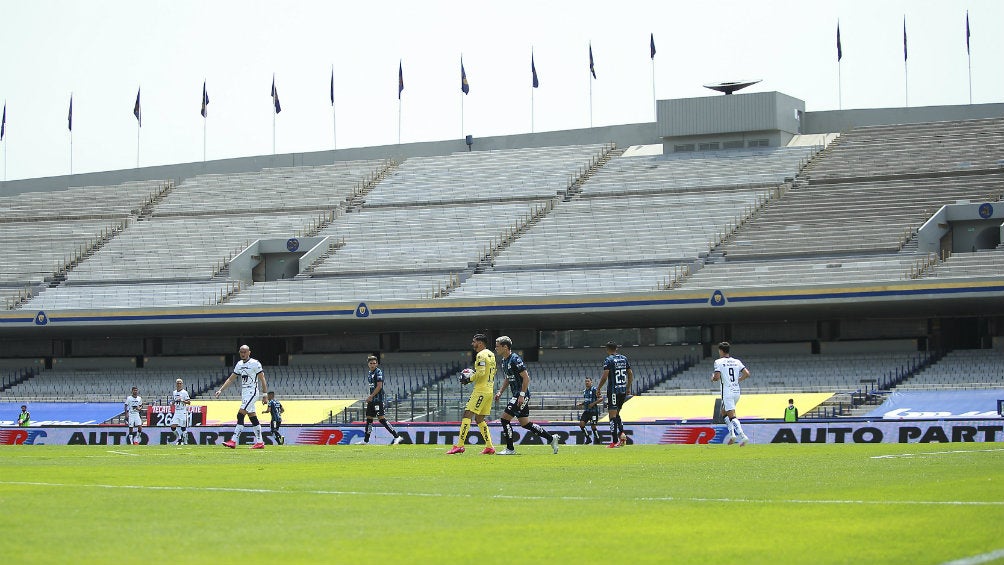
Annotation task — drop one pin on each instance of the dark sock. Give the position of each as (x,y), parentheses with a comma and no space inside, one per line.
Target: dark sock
(507,434)
(535,428)
(369,429)
(389,427)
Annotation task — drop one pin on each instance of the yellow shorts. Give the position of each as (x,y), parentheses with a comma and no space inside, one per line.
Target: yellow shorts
(480,402)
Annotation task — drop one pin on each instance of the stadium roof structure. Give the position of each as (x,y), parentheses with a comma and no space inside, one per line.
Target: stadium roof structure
(731,86)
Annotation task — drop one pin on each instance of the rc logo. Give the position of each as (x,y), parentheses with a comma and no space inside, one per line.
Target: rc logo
(21,437)
(691,435)
(328,437)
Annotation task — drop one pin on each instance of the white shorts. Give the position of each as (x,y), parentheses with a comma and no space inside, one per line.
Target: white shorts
(134,420)
(248,402)
(180,419)
(729,401)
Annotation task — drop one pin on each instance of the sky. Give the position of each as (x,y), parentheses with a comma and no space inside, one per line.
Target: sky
(102,52)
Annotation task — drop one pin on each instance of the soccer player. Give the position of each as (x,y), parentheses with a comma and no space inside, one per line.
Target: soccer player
(133,404)
(590,411)
(374,402)
(181,401)
(518,380)
(730,372)
(618,376)
(252,376)
(275,410)
(24,418)
(479,404)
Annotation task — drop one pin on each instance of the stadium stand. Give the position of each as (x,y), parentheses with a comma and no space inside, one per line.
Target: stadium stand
(930,147)
(797,373)
(965,368)
(535,173)
(108,385)
(274,190)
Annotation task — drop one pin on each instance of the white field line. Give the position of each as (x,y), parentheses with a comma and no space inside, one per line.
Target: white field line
(976,559)
(513,497)
(929,453)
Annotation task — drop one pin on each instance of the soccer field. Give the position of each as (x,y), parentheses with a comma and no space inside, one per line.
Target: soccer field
(876,503)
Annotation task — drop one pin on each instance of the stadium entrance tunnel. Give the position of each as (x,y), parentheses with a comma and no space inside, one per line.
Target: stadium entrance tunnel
(964,227)
(277,259)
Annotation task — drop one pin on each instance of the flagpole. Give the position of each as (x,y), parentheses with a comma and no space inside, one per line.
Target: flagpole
(531,110)
(655,105)
(273,131)
(590,101)
(906,84)
(138,127)
(840,88)
(399,121)
(204,120)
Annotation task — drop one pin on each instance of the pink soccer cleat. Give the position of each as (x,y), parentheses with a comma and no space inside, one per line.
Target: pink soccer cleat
(231,444)
(456,449)
(614,444)
(258,445)
(488,451)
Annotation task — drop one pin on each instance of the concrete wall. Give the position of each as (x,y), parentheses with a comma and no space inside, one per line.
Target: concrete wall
(843,120)
(715,115)
(623,135)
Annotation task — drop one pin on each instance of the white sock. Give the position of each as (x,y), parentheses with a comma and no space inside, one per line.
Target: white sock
(257,434)
(738,427)
(181,438)
(728,425)
(238,430)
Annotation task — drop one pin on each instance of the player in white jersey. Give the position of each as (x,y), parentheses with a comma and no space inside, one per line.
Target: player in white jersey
(253,384)
(133,404)
(181,401)
(730,372)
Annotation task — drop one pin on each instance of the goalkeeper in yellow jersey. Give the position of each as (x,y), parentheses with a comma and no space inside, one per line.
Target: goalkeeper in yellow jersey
(480,404)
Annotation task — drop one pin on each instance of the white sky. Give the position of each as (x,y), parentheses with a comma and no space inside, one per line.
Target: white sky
(101,51)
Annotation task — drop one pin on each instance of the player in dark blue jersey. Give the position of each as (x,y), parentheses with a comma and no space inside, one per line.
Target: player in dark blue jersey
(617,375)
(275,410)
(375,402)
(517,378)
(590,411)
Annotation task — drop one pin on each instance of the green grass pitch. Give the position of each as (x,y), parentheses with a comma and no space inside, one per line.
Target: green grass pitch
(882,503)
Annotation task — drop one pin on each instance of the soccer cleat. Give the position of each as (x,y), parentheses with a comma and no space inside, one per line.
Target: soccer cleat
(231,444)
(623,440)
(282,440)
(135,443)
(397,440)
(456,449)
(730,439)
(613,444)
(744,440)
(488,451)
(258,445)
(587,441)
(507,452)
(554,443)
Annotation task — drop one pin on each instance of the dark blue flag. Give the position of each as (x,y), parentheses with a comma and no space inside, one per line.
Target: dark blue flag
(275,97)
(533,71)
(400,79)
(332,85)
(136,111)
(652,45)
(592,68)
(464,87)
(967,32)
(69,116)
(3,123)
(205,99)
(840,51)
(904,39)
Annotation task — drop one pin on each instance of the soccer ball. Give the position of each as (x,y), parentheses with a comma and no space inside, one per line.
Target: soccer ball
(466,375)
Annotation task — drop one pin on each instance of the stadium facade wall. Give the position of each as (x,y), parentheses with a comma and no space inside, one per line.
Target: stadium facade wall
(834,121)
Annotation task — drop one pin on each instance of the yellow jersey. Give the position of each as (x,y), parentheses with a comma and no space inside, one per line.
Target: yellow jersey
(484,371)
